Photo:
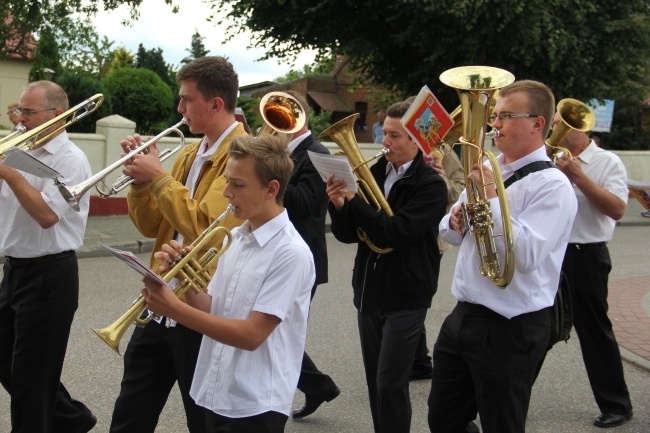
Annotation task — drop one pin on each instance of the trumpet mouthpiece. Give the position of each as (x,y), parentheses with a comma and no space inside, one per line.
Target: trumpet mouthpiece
(493,134)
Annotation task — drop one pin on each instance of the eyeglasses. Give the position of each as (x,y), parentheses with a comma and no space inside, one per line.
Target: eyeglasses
(504,116)
(26,112)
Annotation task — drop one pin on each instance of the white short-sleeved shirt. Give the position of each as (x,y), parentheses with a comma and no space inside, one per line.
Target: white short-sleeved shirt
(270,270)
(542,208)
(20,235)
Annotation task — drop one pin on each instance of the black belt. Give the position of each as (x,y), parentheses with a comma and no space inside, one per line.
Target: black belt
(587,246)
(16,261)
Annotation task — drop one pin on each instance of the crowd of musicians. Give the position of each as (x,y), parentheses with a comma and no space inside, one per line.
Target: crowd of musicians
(237,348)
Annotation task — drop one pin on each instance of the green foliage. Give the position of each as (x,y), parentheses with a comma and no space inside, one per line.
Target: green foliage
(198,48)
(320,68)
(250,106)
(46,57)
(140,95)
(320,122)
(79,88)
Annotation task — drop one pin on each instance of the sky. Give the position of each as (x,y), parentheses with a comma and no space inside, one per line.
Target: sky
(158,27)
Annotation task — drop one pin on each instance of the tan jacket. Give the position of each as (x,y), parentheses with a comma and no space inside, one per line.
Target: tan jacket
(162,207)
(455,180)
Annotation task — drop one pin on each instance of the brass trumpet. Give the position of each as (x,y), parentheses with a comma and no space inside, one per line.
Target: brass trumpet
(74,193)
(342,133)
(31,139)
(191,274)
(476,85)
(574,115)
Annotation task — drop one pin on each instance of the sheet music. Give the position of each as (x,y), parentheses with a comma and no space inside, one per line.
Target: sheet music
(135,263)
(338,165)
(23,161)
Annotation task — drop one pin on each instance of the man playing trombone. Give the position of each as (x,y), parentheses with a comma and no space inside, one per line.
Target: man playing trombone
(177,205)
(40,287)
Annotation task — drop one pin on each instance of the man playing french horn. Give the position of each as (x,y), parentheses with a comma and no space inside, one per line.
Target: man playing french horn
(179,205)
(489,347)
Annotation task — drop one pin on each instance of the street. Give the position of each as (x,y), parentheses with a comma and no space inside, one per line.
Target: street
(561,400)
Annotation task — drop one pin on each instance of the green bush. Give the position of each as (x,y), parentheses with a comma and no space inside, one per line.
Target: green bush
(140,95)
(79,88)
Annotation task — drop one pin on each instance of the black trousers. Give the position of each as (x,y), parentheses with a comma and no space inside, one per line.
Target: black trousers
(587,269)
(267,422)
(388,343)
(38,300)
(157,357)
(481,360)
(312,382)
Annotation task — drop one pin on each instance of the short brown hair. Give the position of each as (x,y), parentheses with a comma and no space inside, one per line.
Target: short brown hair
(398,109)
(53,96)
(215,77)
(271,157)
(540,99)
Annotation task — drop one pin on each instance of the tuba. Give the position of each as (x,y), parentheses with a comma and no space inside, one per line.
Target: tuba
(191,274)
(342,133)
(574,115)
(476,86)
(281,113)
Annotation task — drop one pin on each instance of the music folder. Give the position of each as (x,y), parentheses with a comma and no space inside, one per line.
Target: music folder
(337,165)
(130,259)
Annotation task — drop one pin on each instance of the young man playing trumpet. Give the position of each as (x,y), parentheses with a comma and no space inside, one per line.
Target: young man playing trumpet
(254,316)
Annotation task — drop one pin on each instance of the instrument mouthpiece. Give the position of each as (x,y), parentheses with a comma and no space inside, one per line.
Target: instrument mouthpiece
(493,134)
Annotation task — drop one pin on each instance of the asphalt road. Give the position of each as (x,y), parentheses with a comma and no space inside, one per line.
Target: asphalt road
(561,400)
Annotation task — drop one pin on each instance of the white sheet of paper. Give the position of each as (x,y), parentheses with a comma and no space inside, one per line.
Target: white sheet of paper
(130,259)
(23,161)
(338,165)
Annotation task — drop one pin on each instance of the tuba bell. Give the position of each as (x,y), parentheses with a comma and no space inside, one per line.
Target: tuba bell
(476,86)
(574,115)
(342,133)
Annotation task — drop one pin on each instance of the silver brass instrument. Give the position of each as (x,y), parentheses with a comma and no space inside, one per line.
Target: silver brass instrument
(342,133)
(191,274)
(574,115)
(123,181)
(282,113)
(31,139)
(74,193)
(476,86)
(20,129)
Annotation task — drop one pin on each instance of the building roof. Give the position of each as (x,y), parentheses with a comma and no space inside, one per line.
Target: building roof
(331,101)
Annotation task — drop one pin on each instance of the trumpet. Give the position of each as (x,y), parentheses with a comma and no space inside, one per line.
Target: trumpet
(191,274)
(476,85)
(31,139)
(574,115)
(73,194)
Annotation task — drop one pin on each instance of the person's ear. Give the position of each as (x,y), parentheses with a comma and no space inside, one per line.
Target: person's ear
(272,189)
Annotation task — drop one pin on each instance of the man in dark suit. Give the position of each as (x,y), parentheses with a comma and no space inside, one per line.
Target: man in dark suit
(306,203)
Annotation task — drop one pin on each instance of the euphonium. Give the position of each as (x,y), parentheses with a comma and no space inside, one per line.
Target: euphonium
(476,86)
(191,274)
(342,133)
(282,113)
(574,115)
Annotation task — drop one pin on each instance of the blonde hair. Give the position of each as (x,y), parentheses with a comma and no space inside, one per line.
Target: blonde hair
(541,100)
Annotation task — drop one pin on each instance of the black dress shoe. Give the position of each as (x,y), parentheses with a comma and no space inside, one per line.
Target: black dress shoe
(311,404)
(89,425)
(611,419)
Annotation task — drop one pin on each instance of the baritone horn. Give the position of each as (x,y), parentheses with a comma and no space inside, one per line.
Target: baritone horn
(342,133)
(31,139)
(574,115)
(281,113)
(476,86)
(73,194)
(191,274)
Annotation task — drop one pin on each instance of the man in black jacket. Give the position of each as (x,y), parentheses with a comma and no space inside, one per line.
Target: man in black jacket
(392,291)
(306,204)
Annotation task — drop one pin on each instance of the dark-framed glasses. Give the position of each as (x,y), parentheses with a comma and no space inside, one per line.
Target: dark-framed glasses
(27,112)
(504,116)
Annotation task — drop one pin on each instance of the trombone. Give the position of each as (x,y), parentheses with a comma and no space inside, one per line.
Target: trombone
(31,139)
(190,273)
(20,129)
(74,193)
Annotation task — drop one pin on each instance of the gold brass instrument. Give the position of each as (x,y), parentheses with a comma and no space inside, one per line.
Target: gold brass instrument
(476,86)
(31,139)
(282,113)
(123,181)
(191,274)
(20,129)
(73,194)
(342,133)
(574,115)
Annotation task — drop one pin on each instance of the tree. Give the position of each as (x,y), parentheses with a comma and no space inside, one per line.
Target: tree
(140,95)
(46,58)
(80,87)
(154,61)
(198,48)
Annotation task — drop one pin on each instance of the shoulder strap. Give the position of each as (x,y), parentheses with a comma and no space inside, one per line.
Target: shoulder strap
(526,170)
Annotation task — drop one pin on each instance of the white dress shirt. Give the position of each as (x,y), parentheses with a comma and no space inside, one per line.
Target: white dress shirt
(607,170)
(542,208)
(269,270)
(20,235)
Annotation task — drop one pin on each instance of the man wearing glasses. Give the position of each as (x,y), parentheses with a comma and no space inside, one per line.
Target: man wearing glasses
(489,347)
(40,287)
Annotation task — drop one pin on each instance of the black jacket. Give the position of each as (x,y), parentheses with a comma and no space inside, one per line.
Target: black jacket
(306,202)
(406,278)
